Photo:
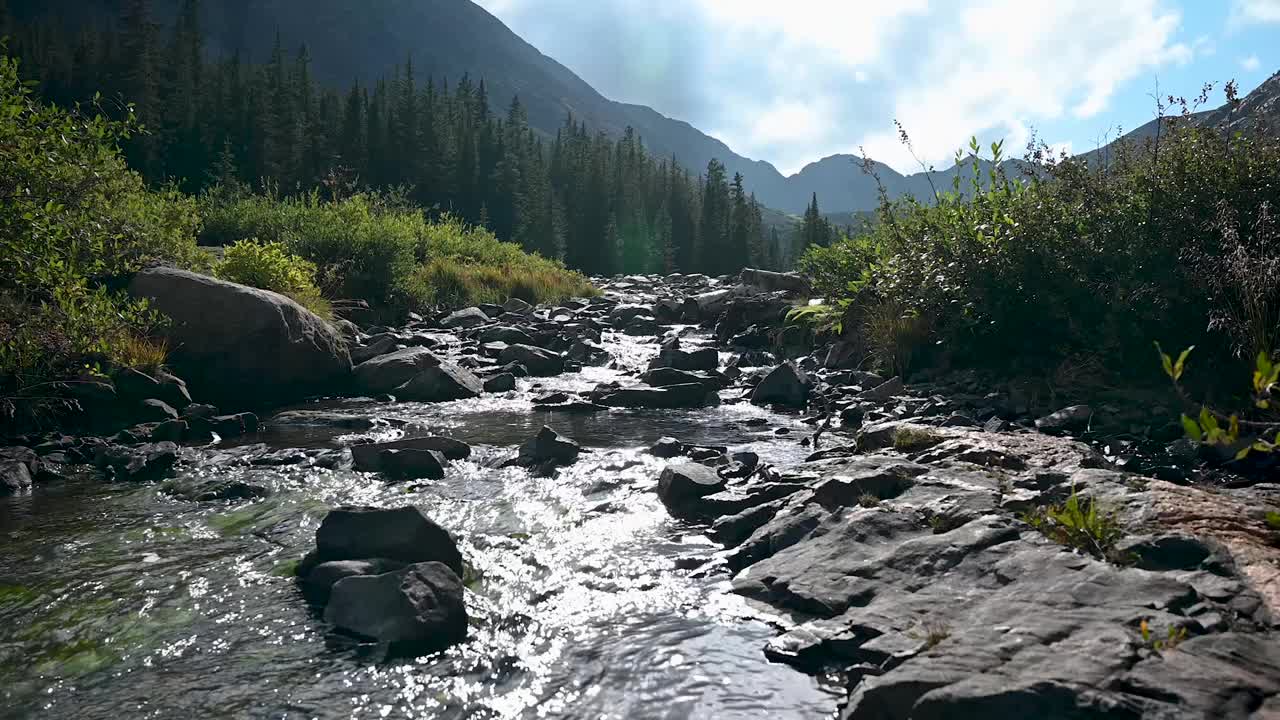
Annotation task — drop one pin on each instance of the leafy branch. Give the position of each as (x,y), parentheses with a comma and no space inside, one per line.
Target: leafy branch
(1213,427)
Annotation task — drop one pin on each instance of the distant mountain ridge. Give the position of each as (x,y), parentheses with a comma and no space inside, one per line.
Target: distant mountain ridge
(450,38)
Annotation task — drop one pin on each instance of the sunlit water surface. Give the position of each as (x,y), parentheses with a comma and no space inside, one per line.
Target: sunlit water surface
(121,601)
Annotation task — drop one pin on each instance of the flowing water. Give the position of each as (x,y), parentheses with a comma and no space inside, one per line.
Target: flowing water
(121,601)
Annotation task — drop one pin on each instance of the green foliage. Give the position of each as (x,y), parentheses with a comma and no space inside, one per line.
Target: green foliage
(822,319)
(602,204)
(271,266)
(1173,638)
(1078,523)
(1207,426)
(1273,520)
(1019,267)
(868,500)
(377,248)
(72,218)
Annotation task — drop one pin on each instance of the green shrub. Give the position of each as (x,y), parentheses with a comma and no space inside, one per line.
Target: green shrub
(1074,258)
(1079,524)
(73,221)
(272,267)
(376,248)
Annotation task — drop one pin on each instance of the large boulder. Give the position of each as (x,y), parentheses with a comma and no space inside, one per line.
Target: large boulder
(548,446)
(683,484)
(387,372)
(785,385)
(418,609)
(365,457)
(539,362)
(465,318)
(506,334)
(232,341)
(689,395)
(144,462)
(404,534)
(704,359)
(442,383)
(14,475)
(769,281)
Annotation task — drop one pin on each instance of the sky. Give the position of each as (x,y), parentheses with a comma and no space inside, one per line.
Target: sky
(794,81)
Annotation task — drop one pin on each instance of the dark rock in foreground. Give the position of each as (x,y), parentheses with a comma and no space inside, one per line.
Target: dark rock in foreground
(548,447)
(785,385)
(681,485)
(442,383)
(415,610)
(670,397)
(385,373)
(539,362)
(405,534)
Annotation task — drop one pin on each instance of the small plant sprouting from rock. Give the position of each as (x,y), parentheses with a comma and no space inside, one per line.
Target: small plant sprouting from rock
(944,523)
(1080,524)
(1273,520)
(931,632)
(1173,638)
(868,500)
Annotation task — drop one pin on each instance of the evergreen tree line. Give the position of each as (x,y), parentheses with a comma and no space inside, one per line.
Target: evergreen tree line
(602,205)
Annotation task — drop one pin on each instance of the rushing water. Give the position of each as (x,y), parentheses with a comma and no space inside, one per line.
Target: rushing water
(121,601)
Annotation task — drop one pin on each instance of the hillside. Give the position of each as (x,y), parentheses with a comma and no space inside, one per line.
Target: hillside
(450,38)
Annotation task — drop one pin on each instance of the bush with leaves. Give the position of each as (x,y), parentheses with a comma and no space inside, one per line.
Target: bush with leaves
(1018,268)
(271,266)
(377,248)
(73,218)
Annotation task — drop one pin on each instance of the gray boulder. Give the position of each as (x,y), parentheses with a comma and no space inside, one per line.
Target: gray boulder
(770,281)
(516,306)
(412,464)
(690,395)
(682,484)
(465,318)
(365,457)
(502,382)
(321,579)
(380,345)
(15,477)
(232,341)
(415,610)
(442,383)
(786,385)
(405,534)
(1071,418)
(704,359)
(505,334)
(548,446)
(144,462)
(884,391)
(387,372)
(539,362)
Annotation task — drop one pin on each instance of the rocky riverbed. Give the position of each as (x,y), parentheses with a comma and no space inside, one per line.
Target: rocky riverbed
(660,502)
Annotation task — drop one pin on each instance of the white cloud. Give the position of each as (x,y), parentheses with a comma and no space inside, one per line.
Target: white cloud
(988,80)
(1262,11)
(1251,63)
(794,81)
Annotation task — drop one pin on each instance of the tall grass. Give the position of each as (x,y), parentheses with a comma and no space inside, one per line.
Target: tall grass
(375,248)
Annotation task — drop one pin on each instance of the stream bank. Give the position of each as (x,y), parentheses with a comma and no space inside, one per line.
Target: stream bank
(890,564)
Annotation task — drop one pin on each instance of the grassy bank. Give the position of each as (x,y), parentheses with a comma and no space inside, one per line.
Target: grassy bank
(1070,272)
(374,247)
